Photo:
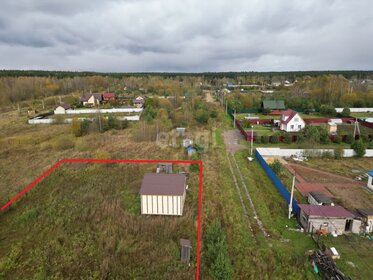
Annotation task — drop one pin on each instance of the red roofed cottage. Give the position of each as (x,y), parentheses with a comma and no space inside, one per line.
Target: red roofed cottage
(291,121)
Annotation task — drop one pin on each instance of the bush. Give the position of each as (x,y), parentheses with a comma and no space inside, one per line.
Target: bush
(64,144)
(337,139)
(265,139)
(194,167)
(370,145)
(349,139)
(338,153)
(359,148)
(287,138)
(258,140)
(277,167)
(346,112)
(76,127)
(202,116)
(326,154)
(327,110)
(275,139)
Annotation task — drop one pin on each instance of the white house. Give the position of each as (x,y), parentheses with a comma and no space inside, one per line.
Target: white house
(291,121)
(61,109)
(91,99)
(163,194)
(139,101)
(370,179)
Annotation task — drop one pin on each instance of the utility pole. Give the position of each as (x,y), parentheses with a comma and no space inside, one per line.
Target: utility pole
(291,197)
(42,102)
(356,128)
(252,140)
(60,100)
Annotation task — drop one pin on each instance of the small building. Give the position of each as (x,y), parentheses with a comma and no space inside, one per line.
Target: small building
(332,128)
(370,179)
(91,99)
(186,246)
(327,219)
(164,167)
(61,109)
(319,198)
(273,105)
(139,101)
(163,194)
(109,97)
(367,219)
(180,131)
(291,121)
(230,84)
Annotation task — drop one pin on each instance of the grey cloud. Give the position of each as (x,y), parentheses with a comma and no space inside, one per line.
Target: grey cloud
(191,35)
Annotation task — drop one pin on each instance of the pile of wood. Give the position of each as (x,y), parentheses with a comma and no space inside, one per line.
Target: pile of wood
(327,267)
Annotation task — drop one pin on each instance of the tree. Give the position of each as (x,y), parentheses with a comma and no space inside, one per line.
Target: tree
(277,167)
(149,113)
(346,112)
(287,138)
(359,148)
(202,116)
(327,110)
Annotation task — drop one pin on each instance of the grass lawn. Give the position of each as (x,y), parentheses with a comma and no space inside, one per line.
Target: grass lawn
(356,255)
(362,115)
(84,219)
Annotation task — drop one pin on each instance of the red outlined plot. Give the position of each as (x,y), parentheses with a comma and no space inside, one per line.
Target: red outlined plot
(67,160)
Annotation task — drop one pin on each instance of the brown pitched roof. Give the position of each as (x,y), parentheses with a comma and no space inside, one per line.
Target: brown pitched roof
(325,211)
(163,184)
(108,95)
(366,211)
(86,96)
(65,106)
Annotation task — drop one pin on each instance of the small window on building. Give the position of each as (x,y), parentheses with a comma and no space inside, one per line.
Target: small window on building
(292,126)
(299,126)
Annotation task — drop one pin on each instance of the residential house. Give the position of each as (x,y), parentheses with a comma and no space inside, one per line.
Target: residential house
(269,105)
(91,99)
(139,101)
(370,179)
(109,97)
(327,219)
(332,128)
(319,198)
(61,109)
(163,194)
(367,218)
(291,121)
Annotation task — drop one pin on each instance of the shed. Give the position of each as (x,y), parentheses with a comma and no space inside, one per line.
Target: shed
(164,167)
(326,218)
(319,198)
(370,179)
(367,218)
(186,246)
(61,109)
(187,142)
(163,194)
(180,131)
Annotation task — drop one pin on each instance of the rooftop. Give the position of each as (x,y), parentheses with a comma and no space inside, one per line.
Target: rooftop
(163,184)
(365,211)
(321,197)
(325,211)
(370,172)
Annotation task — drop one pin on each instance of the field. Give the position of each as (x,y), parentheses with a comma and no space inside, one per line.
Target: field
(84,219)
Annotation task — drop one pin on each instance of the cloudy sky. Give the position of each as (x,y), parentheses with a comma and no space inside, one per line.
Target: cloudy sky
(186,35)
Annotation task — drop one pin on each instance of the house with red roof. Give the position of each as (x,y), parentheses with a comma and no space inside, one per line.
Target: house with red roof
(291,121)
(109,96)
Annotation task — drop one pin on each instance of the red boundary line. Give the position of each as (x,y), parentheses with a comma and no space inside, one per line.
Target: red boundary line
(37,180)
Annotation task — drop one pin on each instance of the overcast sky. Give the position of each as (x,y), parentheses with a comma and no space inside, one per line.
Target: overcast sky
(186,35)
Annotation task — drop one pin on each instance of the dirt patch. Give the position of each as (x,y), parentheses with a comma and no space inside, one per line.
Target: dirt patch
(352,197)
(231,138)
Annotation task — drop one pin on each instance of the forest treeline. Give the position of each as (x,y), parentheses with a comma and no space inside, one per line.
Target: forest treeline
(335,88)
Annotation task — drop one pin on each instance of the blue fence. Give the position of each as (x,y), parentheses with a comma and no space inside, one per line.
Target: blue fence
(277,182)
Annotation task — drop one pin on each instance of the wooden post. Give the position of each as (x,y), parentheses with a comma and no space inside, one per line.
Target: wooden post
(234,118)
(252,140)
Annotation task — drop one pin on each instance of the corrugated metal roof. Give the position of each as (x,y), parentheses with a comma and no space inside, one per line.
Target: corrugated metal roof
(163,184)
(366,211)
(321,197)
(326,211)
(273,104)
(185,242)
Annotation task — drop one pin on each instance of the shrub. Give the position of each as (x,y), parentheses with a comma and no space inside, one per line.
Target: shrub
(265,139)
(338,153)
(349,139)
(275,139)
(287,138)
(326,154)
(337,139)
(64,144)
(327,110)
(370,145)
(346,112)
(359,148)
(76,127)
(258,140)
(194,167)
(277,167)
(202,116)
